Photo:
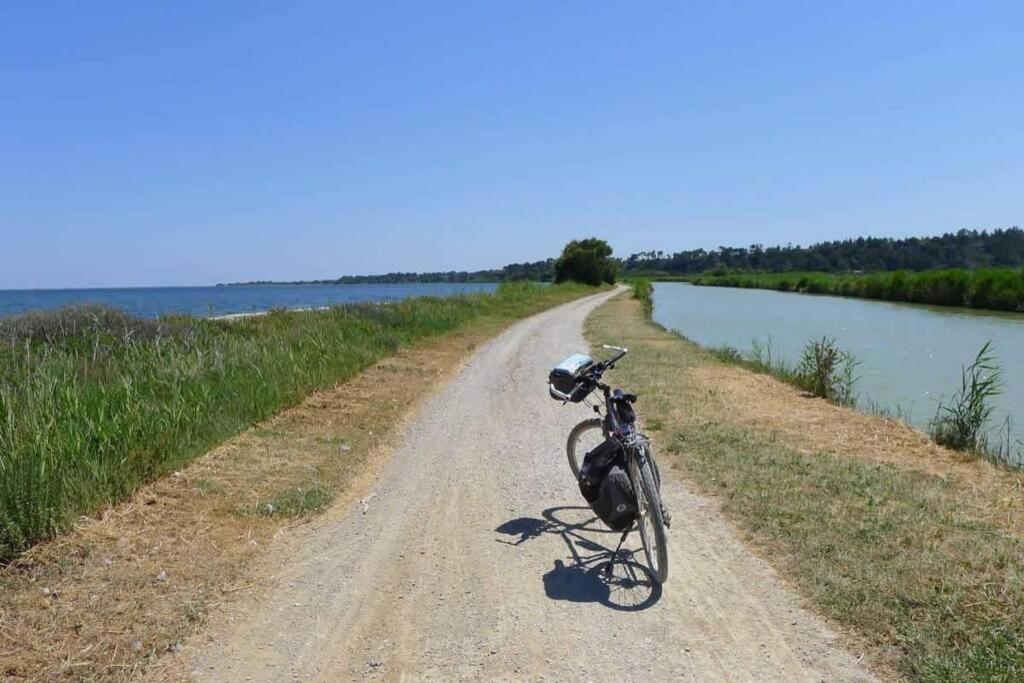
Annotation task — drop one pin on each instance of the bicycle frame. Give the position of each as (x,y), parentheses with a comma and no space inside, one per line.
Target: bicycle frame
(622,430)
(615,425)
(619,424)
(634,443)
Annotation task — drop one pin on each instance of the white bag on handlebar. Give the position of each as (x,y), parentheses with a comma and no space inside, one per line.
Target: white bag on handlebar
(564,380)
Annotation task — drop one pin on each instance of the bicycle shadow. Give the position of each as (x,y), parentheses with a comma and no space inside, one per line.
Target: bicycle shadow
(629,588)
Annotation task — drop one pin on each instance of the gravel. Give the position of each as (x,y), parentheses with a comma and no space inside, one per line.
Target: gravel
(478,560)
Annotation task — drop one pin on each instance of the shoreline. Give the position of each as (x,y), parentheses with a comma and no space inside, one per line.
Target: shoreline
(979,289)
(305,309)
(912,549)
(906,360)
(208,302)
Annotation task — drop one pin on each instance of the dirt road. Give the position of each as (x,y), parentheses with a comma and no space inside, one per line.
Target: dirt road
(473,559)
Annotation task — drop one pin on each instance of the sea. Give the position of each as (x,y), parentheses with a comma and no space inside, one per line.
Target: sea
(153,302)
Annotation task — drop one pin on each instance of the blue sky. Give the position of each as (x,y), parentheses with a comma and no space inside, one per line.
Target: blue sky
(231,141)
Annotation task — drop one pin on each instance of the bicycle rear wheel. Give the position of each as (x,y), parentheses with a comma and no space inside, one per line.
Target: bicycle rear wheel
(583,438)
(649,517)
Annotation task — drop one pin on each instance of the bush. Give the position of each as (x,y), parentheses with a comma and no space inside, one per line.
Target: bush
(642,290)
(827,371)
(587,261)
(729,354)
(996,288)
(960,424)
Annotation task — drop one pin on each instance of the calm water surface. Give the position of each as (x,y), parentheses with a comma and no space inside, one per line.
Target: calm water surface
(151,302)
(910,356)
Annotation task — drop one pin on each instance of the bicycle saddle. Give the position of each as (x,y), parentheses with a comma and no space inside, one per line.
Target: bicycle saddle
(621,395)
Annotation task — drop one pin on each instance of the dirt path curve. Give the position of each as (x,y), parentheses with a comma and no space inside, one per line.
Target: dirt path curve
(474,560)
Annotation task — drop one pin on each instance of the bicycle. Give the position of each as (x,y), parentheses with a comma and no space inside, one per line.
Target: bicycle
(580,377)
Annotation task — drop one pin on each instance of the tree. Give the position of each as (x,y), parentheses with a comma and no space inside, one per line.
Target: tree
(588,261)
(962,249)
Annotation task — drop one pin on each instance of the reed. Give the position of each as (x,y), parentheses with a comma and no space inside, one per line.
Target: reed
(960,424)
(94,402)
(824,370)
(828,372)
(643,290)
(989,288)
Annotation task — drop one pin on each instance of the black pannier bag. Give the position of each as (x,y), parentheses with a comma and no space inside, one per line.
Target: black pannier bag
(595,466)
(606,486)
(565,378)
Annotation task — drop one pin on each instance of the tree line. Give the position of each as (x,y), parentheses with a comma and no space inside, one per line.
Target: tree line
(963,249)
(966,249)
(536,271)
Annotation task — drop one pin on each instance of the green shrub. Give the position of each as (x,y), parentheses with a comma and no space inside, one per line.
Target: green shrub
(827,371)
(644,291)
(729,354)
(995,288)
(586,261)
(960,424)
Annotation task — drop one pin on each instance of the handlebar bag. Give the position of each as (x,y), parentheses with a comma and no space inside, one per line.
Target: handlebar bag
(606,486)
(566,377)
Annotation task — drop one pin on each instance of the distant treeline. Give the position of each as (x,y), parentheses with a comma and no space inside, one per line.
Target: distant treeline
(538,271)
(995,288)
(964,249)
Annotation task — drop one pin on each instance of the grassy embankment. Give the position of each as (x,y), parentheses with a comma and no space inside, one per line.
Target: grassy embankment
(992,288)
(913,549)
(94,403)
(120,593)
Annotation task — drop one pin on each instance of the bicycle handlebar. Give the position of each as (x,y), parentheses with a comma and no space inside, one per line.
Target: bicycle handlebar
(608,363)
(594,372)
(559,394)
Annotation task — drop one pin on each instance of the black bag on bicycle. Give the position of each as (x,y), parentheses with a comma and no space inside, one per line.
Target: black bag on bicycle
(606,486)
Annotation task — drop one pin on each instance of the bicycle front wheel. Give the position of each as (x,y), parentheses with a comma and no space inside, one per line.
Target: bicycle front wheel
(584,437)
(649,517)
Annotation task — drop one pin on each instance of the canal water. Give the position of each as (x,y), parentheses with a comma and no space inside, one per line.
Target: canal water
(910,356)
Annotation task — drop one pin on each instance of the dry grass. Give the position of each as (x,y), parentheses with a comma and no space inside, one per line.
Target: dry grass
(913,548)
(994,494)
(109,598)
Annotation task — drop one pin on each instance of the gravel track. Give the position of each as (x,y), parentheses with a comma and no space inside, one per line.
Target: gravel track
(474,559)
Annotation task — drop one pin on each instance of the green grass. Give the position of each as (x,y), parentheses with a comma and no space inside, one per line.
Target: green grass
(960,423)
(824,370)
(991,288)
(883,550)
(94,403)
(297,502)
(762,358)
(644,292)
